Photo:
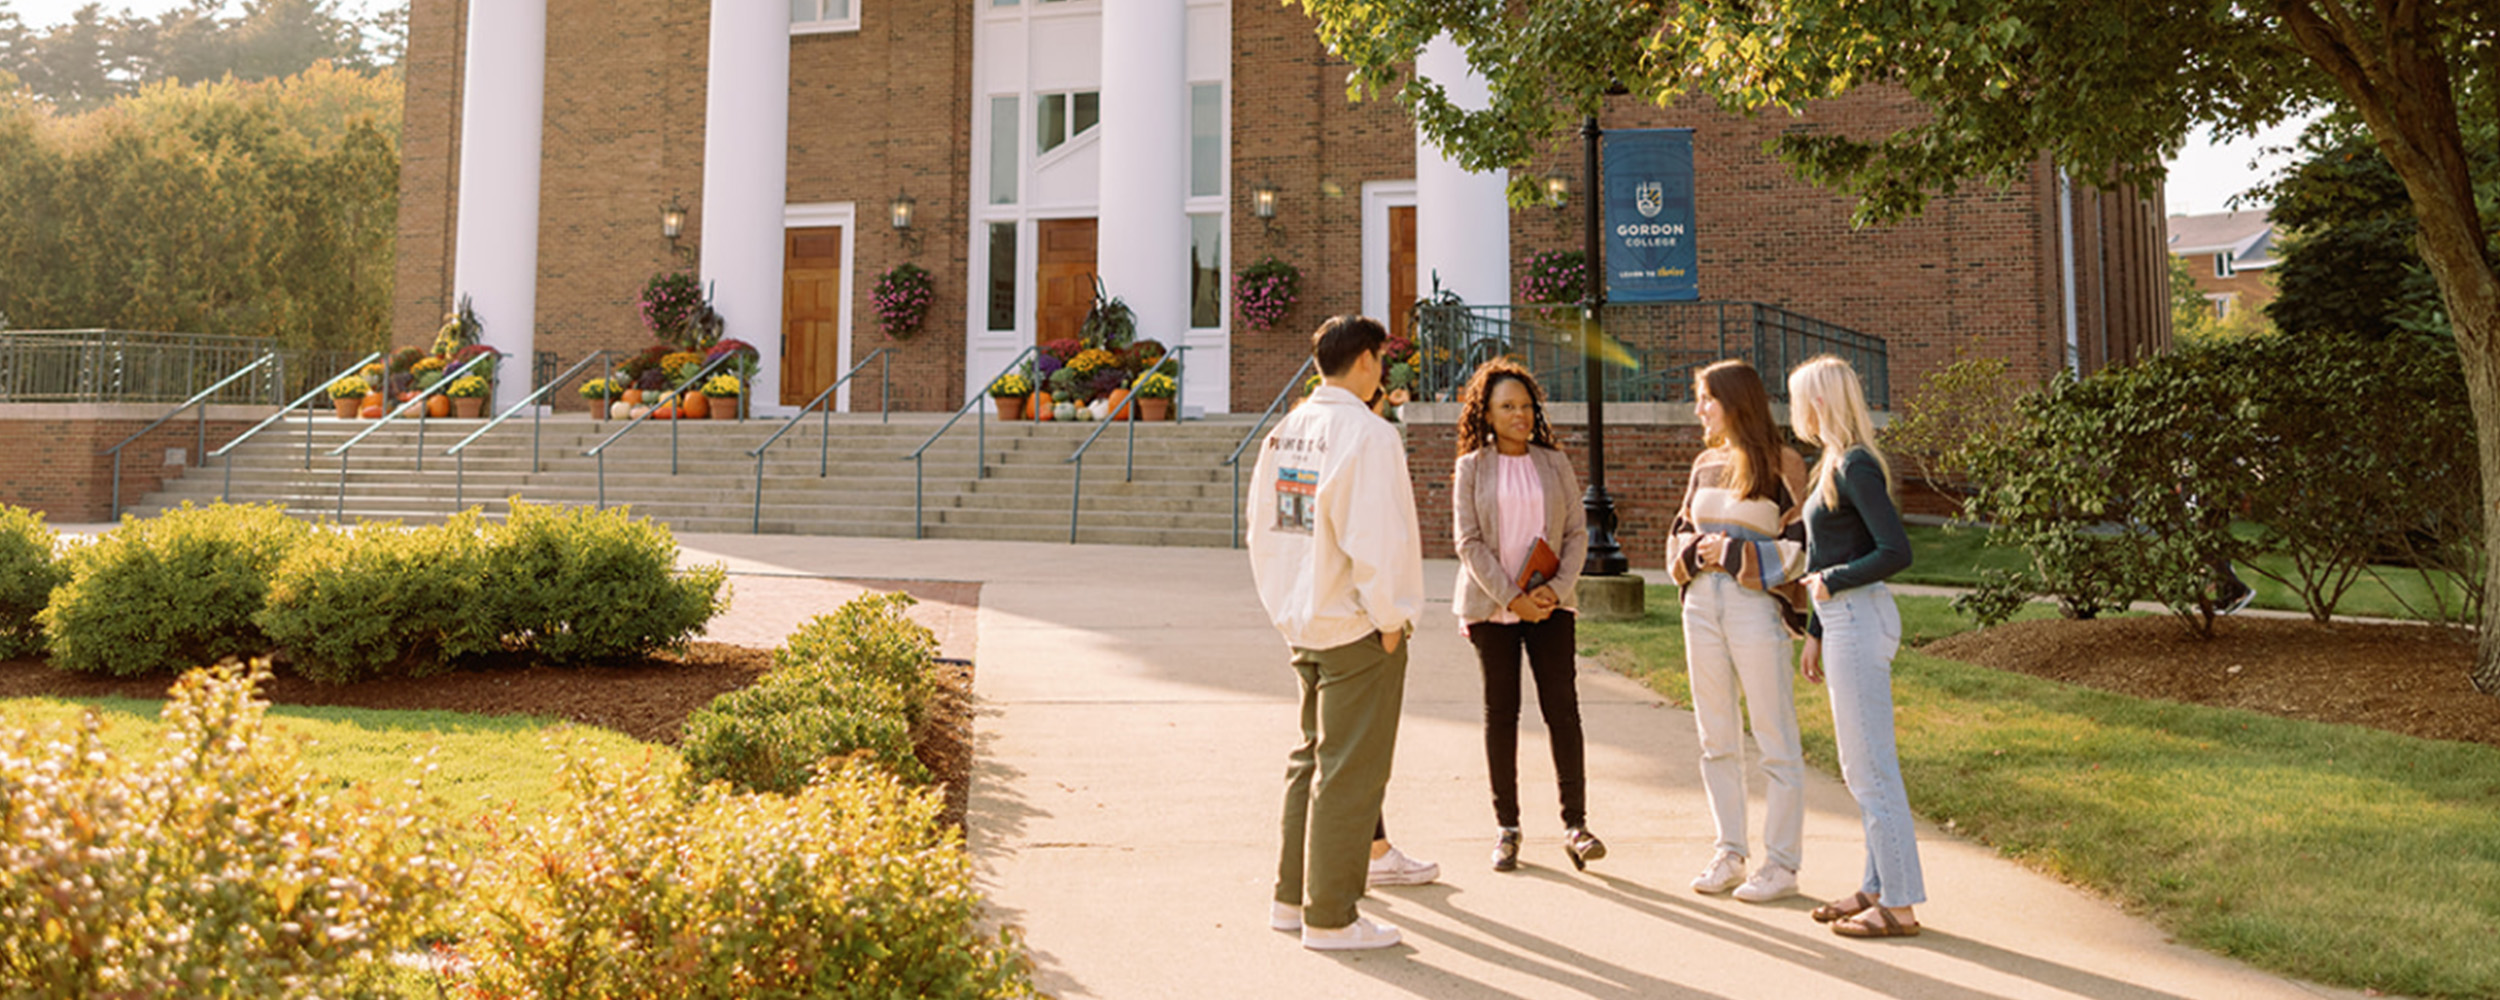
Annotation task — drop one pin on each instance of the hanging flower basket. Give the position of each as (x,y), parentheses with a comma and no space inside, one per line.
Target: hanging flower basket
(1264,292)
(1555,277)
(903,297)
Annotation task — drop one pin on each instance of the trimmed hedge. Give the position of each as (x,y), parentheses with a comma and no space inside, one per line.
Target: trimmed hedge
(221,866)
(173,591)
(376,599)
(28,572)
(852,682)
(576,584)
(640,886)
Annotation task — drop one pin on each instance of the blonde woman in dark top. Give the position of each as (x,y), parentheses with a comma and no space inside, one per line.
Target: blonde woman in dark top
(1514,493)
(1737,547)
(1854,541)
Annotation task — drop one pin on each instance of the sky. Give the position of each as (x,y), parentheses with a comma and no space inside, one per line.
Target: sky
(2202,179)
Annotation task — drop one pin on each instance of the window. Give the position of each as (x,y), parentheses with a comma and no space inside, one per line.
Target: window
(1003,151)
(1206,272)
(1206,139)
(822,15)
(1002,276)
(1061,117)
(2222,305)
(2222,266)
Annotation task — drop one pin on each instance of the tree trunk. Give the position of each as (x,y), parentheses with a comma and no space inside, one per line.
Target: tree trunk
(2396,74)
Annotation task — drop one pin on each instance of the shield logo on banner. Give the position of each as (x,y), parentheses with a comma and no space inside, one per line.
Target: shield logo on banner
(1651,198)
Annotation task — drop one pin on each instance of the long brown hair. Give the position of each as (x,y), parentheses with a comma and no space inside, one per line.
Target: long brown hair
(1475,421)
(1746,433)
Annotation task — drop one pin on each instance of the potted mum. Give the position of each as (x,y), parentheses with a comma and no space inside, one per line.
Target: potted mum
(468,396)
(1008,391)
(347,395)
(723,391)
(602,395)
(1154,395)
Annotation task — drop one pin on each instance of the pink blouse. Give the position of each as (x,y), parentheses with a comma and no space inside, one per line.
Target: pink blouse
(1522,501)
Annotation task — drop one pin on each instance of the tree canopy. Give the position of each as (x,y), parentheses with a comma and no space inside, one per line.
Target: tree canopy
(99,56)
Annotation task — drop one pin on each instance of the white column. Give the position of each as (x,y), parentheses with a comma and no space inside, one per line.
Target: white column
(746,149)
(1462,222)
(502,103)
(1143,252)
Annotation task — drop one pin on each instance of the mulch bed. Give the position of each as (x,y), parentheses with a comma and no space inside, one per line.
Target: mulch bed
(646,699)
(2409,679)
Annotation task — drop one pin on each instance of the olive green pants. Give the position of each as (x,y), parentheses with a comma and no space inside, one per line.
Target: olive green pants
(1334,780)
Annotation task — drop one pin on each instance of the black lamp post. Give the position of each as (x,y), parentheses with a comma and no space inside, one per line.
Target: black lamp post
(1605,556)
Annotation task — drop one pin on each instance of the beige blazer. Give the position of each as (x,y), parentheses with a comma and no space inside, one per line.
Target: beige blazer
(1475,498)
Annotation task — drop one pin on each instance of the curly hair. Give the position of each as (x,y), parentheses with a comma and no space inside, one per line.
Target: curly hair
(1475,422)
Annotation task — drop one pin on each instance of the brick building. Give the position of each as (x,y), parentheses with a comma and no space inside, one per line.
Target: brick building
(1039,143)
(2229,254)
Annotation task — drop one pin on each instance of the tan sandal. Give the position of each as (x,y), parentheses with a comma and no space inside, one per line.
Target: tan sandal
(1839,909)
(1874,922)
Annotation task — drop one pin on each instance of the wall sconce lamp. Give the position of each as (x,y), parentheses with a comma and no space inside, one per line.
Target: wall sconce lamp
(673,225)
(1557,192)
(900,213)
(1263,203)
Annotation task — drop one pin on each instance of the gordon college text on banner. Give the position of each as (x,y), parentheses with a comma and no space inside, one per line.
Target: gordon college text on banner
(1649,216)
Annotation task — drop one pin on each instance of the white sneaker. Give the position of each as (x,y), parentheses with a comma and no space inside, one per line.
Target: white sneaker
(1726,871)
(1283,916)
(1395,868)
(1363,933)
(1772,882)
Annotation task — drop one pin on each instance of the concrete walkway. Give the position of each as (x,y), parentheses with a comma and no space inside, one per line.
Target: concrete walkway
(1135,714)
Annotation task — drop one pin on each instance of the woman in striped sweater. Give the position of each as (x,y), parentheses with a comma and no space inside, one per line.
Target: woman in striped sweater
(1737,547)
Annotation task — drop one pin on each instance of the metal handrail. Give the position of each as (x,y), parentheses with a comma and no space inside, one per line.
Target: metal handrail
(199,446)
(981,453)
(227,452)
(415,402)
(460,481)
(824,444)
(1235,459)
(600,450)
(1076,488)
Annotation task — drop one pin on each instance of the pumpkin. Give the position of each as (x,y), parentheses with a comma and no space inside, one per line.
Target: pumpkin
(697,406)
(372,411)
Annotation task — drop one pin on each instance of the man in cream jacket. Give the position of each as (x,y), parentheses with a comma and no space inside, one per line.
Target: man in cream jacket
(1339,563)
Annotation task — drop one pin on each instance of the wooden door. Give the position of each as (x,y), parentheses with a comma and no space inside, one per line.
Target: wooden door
(811,312)
(1401,270)
(1064,285)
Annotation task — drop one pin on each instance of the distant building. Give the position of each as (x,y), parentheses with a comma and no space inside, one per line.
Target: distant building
(2231,256)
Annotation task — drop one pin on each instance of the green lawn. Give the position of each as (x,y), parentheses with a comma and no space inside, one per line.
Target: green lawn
(476,759)
(2338,854)
(1953,557)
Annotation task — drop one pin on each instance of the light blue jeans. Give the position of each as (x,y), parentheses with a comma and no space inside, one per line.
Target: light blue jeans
(1733,641)
(1861,632)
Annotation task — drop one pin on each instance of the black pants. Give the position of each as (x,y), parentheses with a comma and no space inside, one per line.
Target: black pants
(1549,645)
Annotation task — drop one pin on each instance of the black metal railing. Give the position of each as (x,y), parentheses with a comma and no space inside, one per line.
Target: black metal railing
(1660,346)
(823,405)
(198,401)
(127,366)
(693,383)
(980,402)
(302,402)
(548,383)
(415,404)
(1123,414)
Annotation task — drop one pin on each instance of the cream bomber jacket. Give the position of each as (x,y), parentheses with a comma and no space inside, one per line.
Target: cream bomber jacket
(1333,540)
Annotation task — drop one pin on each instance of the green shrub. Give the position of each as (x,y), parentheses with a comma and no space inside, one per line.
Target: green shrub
(178,590)
(219,867)
(870,637)
(28,572)
(770,737)
(377,599)
(579,584)
(642,887)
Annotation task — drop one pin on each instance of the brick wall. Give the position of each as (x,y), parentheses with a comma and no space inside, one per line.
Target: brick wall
(429,169)
(71,483)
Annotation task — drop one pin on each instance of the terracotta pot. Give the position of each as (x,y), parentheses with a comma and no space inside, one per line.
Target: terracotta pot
(1155,409)
(1117,397)
(725,408)
(1009,407)
(437,406)
(1041,406)
(468,408)
(697,406)
(371,411)
(601,409)
(347,406)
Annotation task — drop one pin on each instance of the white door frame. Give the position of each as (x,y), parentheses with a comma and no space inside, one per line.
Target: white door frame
(812,215)
(1378,198)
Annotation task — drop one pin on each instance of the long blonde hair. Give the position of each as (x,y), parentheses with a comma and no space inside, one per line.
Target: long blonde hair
(1827,388)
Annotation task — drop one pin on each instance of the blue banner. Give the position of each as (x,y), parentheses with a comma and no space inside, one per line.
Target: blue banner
(1649,216)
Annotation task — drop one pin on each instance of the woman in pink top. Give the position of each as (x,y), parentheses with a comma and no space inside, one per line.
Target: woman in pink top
(1515,492)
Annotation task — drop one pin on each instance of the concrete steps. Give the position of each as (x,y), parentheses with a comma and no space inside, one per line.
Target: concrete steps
(1174,490)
